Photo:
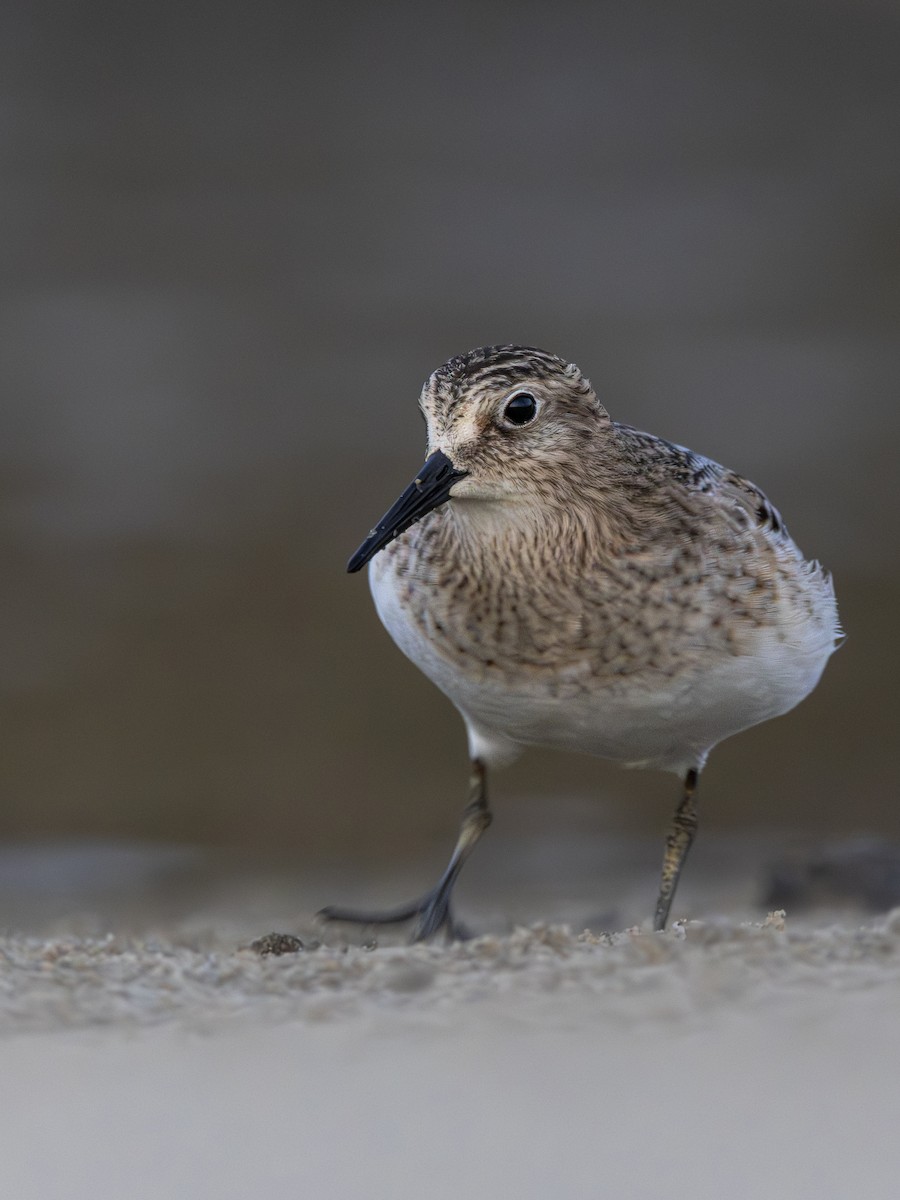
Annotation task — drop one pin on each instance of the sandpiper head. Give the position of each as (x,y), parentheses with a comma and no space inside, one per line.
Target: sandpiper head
(499,418)
(503,413)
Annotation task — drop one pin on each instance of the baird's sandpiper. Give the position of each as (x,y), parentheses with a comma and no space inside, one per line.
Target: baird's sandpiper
(569,581)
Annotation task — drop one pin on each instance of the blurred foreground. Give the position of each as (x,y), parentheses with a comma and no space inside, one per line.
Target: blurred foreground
(532,1063)
(152,1052)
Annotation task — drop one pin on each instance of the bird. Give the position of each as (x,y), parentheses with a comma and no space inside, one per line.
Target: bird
(569,581)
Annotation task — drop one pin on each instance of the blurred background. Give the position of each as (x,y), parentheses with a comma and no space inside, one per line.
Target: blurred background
(235,241)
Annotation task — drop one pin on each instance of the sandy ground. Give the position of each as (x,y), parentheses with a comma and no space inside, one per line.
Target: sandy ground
(737,1055)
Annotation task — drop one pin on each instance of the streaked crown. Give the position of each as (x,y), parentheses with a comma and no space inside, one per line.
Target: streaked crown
(494,368)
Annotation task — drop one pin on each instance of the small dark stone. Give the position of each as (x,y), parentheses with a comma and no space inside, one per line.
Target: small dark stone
(276,943)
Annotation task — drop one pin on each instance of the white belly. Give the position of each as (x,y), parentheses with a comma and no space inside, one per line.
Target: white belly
(650,718)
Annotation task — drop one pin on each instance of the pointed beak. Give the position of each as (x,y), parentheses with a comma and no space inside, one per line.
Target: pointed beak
(430,488)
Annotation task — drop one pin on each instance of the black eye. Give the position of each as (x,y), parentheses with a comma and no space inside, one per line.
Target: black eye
(521,409)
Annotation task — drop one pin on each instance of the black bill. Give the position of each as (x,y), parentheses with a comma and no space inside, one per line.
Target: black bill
(430,488)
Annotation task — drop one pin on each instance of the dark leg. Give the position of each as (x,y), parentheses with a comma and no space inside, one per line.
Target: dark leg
(431,912)
(681,835)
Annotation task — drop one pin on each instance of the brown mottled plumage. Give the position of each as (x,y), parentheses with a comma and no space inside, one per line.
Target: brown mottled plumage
(572,582)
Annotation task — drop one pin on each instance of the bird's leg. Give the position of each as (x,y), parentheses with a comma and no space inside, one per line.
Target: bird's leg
(678,842)
(431,912)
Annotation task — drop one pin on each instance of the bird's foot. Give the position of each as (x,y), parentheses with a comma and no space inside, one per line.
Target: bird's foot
(431,913)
